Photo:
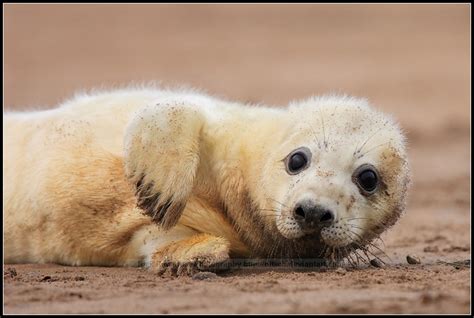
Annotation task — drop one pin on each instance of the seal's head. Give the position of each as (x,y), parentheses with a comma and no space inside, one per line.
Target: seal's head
(338,178)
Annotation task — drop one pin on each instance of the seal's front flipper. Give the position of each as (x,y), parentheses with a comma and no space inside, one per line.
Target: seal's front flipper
(162,144)
(201,252)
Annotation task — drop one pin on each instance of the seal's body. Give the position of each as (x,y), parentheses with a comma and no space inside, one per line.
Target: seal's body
(177,178)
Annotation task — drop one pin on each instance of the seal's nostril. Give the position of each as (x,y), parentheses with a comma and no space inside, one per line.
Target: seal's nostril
(311,215)
(300,212)
(326,217)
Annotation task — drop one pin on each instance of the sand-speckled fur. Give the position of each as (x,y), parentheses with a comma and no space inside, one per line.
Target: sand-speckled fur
(162,177)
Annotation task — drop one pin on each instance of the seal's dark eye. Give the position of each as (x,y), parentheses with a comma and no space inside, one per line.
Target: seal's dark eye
(298,160)
(366,178)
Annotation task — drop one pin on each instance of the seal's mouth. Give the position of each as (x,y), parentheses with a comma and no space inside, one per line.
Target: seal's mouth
(310,230)
(337,244)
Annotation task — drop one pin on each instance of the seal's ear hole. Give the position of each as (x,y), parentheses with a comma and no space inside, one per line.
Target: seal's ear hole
(164,211)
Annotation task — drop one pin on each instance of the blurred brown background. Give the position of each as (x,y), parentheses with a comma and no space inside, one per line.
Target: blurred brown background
(412,61)
(400,56)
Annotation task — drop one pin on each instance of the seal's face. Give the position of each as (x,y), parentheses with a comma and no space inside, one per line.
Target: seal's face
(340,176)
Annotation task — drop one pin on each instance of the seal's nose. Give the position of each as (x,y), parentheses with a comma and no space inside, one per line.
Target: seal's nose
(313,214)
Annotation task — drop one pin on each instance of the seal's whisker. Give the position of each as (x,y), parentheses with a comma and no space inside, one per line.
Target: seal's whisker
(268,212)
(332,254)
(279,203)
(356,251)
(376,256)
(368,251)
(380,250)
(365,242)
(323,251)
(275,247)
(340,255)
(357,150)
(268,216)
(349,258)
(314,134)
(360,238)
(373,148)
(381,240)
(354,254)
(362,246)
(359,258)
(357,218)
(352,250)
(355,226)
(324,131)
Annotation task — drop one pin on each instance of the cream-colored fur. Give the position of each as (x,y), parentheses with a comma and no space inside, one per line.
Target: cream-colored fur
(177,178)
